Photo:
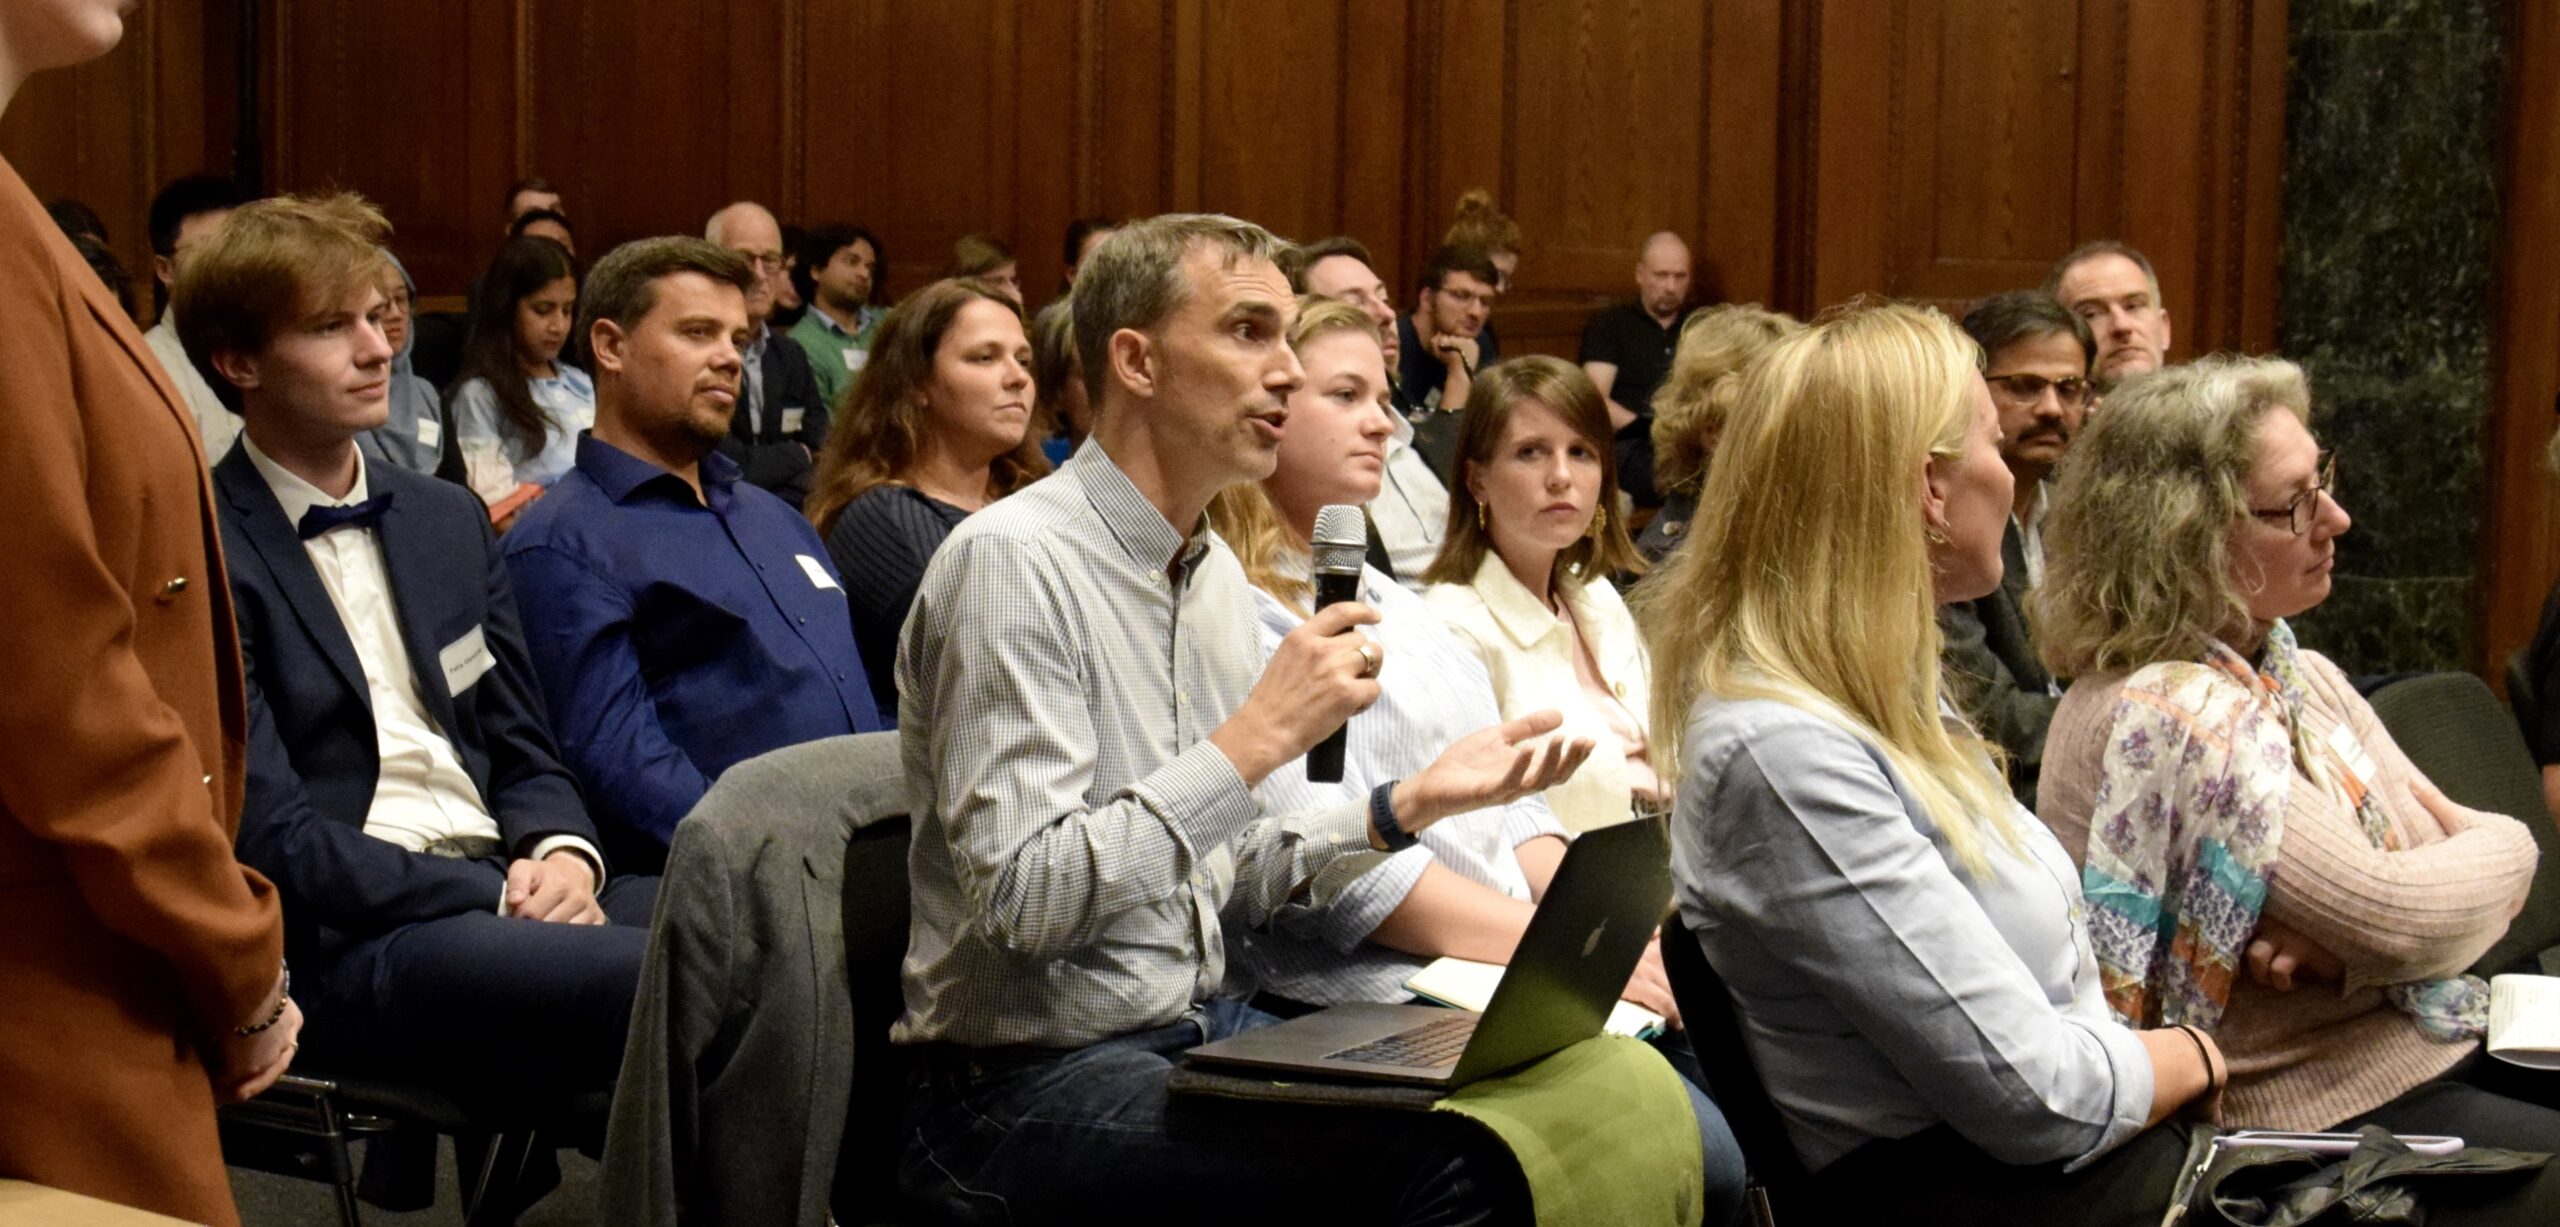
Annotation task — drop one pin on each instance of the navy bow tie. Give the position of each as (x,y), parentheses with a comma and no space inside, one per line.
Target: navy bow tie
(366,514)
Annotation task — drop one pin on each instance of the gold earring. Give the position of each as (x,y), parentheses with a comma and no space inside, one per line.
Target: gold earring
(1935,537)
(1599,521)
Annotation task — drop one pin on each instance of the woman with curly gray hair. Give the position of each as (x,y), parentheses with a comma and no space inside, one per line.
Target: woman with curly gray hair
(2244,824)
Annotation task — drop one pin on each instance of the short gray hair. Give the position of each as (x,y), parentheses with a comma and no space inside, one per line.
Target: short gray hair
(1134,278)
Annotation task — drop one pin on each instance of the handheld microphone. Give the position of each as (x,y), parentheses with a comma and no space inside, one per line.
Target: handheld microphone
(1341,542)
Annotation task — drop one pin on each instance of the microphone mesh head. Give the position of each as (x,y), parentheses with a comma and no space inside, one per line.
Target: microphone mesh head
(1341,539)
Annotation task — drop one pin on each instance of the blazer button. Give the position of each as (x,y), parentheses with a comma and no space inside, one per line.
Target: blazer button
(169,591)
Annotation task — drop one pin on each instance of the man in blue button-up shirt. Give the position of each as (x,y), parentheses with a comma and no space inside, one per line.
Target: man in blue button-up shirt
(681,619)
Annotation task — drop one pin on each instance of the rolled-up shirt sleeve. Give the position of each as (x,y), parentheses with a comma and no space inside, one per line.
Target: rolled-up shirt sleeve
(1812,849)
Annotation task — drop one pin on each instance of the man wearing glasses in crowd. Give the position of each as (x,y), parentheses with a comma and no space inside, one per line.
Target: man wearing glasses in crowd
(2038,356)
(781,418)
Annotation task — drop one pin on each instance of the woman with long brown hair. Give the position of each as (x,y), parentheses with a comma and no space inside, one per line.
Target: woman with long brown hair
(1534,535)
(937,426)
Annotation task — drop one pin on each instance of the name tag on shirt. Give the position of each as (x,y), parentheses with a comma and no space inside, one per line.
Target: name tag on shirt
(818,577)
(2351,754)
(430,432)
(854,358)
(791,419)
(464,660)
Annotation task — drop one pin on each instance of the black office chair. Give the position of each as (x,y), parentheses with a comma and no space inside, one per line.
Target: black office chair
(1733,1078)
(2522,697)
(875,939)
(302,1128)
(2457,733)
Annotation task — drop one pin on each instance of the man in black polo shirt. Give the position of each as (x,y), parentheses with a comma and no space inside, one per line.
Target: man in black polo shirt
(1626,349)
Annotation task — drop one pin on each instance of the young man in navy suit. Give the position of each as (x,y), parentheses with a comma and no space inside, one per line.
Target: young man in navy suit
(448,913)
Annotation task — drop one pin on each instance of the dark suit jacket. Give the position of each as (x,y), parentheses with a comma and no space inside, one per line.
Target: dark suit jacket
(1999,681)
(771,456)
(128,934)
(739,1072)
(313,752)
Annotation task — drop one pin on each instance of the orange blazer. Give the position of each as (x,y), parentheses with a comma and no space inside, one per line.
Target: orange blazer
(128,933)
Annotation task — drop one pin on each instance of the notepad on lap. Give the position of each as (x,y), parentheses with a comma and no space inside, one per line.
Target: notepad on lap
(2524,1020)
(1468,985)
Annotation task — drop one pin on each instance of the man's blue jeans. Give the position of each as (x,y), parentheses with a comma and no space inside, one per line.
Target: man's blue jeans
(1027,1137)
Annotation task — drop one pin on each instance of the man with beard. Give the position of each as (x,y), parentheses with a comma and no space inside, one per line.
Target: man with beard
(839,270)
(2038,356)
(680,619)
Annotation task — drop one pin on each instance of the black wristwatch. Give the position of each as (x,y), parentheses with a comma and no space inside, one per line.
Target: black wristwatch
(1382,819)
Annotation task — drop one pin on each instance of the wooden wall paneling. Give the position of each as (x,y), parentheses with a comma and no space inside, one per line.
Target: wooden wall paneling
(1054,127)
(1848,244)
(1133,106)
(1738,156)
(2168,54)
(2521,541)
(651,114)
(1377,59)
(1466,140)
(1272,103)
(438,72)
(1987,193)
(100,133)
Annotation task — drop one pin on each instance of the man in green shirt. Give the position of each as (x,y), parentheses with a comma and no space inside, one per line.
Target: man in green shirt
(840,266)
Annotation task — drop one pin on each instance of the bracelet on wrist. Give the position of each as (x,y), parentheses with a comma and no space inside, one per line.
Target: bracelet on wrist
(284,994)
(1390,833)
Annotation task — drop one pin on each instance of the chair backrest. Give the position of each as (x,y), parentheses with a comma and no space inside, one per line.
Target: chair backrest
(1733,1078)
(2522,697)
(2457,733)
(875,941)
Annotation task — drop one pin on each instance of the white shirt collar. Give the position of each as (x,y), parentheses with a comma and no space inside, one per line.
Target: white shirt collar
(296,495)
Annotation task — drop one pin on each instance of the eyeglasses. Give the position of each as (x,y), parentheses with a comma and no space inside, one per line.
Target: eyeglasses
(764,261)
(2071,390)
(2297,513)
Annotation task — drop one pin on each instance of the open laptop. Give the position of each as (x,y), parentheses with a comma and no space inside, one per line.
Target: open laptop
(1580,948)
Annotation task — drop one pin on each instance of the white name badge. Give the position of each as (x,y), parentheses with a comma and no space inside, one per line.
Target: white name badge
(791,419)
(855,358)
(430,432)
(818,577)
(2343,743)
(465,660)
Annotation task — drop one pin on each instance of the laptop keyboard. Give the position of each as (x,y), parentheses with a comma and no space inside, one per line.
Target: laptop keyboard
(1434,1043)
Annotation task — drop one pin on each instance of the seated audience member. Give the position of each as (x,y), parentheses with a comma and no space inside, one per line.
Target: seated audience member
(1083,235)
(781,420)
(2036,360)
(1412,506)
(2264,864)
(88,234)
(184,214)
(1690,409)
(1480,224)
(839,275)
(1903,944)
(1524,577)
(526,195)
(517,407)
(412,434)
(1441,345)
(2112,287)
(1467,890)
(984,257)
(549,224)
(1627,350)
(1064,417)
(937,427)
(440,878)
(1083,723)
(680,619)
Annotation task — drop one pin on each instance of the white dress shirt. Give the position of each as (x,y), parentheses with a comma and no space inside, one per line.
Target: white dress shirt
(423,793)
(2031,534)
(1529,652)
(1412,508)
(218,426)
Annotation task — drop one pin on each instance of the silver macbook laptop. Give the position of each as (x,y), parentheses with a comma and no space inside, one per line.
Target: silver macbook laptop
(1580,948)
